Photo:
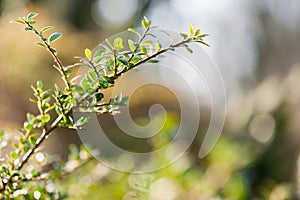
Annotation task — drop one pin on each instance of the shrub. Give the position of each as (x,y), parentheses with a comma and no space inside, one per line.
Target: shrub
(20,174)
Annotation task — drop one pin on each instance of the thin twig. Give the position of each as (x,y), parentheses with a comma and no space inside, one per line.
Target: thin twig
(53,54)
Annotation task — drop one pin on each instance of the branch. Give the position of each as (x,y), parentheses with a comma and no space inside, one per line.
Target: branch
(66,102)
(39,141)
(53,54)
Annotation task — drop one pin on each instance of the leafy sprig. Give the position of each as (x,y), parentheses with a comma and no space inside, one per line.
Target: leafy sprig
(55,106)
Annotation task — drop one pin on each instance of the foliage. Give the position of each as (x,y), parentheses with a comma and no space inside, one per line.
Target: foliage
(20,174)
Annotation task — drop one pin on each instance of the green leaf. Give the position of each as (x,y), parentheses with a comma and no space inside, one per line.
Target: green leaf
(99,53)
(31,22)
(135,60)
(74,151)
(143,49)
(131,45)
(39,84)
(151,35)
(184,35)
(49,109)
(32,100)
(203,35)
(166,33)
(17,22)
(107,48)
(99,96)
(145,19)
(28,29)
(133,31)
(110,79)
(14,155)
(157,46)
(87,63)
(118,44)
(70,120)
(34,173)
(201,42)
(53,50)
(198,32)
(29,117)
(46,28)
(78,89)
(63,97)
(16,145)
(58,110)
(88,54)
(57,90)
(85,84)
(68,73)
(27,126)
(1,133)
(26,148)
(148,42)
(45,95)
(31,15)
(188,49)
(103,84)
(125,52)
(152,61)
(80,123)
(146,23)
(32,140)
(123,60)
(73,101)
(53,37)
(46,118)
(93,75)
(41,44)
(123,101)
(192,29)
(111,63)
(98,60)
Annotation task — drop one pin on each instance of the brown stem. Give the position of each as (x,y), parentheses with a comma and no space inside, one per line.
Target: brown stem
(115,63)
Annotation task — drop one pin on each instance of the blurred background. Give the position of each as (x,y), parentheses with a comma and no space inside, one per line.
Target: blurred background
(255,44)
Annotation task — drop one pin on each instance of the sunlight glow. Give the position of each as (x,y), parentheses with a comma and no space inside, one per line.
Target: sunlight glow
(113,13)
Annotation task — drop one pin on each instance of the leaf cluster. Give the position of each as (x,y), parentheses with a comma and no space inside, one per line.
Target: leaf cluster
(80,94)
